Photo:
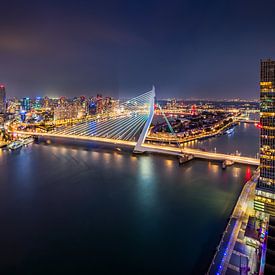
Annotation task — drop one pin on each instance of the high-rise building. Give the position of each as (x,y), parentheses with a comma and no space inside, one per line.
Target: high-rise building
(99,104)
(38,102)
(265,190)
(25,104)
(2,99)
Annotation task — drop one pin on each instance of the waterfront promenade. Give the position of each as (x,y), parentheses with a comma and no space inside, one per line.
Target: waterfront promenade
(221,263)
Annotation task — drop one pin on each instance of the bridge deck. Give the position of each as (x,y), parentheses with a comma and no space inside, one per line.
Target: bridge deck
(168,150)
(200,154)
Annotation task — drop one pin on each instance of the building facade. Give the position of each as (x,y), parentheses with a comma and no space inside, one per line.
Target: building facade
(25,104)
(265,190)
(2,99)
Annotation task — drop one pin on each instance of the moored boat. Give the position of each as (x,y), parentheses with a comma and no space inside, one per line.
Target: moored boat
(28,140)
(15,145)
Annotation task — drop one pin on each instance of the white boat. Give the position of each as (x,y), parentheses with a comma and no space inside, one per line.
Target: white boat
(15,145)
(226,163)
(229,131)
(28,140)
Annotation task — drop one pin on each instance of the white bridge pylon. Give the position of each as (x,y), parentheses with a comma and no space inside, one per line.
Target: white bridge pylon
(144,133)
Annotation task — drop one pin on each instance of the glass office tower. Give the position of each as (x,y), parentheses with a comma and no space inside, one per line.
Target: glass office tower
(264,199)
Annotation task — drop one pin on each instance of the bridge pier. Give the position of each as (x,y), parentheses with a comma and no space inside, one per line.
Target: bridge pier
(185,158)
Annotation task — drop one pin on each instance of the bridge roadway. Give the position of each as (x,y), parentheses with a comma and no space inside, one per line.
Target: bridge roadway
(248,121)
(199,154)
(77,137)
(147,147)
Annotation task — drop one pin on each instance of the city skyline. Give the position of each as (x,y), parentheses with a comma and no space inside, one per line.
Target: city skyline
(137,137)
(185,49)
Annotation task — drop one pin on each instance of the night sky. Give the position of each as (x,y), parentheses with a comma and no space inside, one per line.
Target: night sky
(187,49)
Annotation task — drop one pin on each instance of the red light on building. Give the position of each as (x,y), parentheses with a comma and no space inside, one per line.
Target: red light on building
(248,174)
(259,125)
(194,110)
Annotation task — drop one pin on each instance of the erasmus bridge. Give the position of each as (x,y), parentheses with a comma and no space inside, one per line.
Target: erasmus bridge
(128,125)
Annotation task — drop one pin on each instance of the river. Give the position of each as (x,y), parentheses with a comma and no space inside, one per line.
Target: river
(82,209)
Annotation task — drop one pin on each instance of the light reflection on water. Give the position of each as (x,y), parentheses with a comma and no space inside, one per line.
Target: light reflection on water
(169,164)
(214,167)
(107,158)
(236,171)
(146,191)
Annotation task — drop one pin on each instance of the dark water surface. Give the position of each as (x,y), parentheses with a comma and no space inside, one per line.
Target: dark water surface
(71,210)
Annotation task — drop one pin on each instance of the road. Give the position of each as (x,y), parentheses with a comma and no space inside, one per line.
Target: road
(200,154)
(147,147)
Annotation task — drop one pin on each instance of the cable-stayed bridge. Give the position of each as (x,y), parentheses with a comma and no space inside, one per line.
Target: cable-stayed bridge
(121,126)
(128,125)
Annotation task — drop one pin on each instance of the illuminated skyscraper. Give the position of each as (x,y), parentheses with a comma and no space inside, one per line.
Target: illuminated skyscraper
(38,102)
(2,99)
(265,191)
(25,104)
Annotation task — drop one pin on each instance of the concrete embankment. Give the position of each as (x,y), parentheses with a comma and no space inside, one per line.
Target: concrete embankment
(224,250)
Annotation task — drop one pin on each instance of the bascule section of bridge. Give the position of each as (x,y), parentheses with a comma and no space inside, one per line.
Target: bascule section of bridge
(123,125)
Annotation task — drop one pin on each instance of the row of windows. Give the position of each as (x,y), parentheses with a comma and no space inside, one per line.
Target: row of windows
(268,141)
(267,132)
(270,182)
(264,207)
(267,155)
(265,163)
(269,176)
(267,104)
(264,194)
(267,96)
(263,199)
(264,166)
(267,148)
(267,118)
(267,121)
(267,90)
(268,128)
(268,109)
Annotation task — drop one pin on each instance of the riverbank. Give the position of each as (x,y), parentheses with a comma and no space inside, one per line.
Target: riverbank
(221,259)
(173,139)
(3,144)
